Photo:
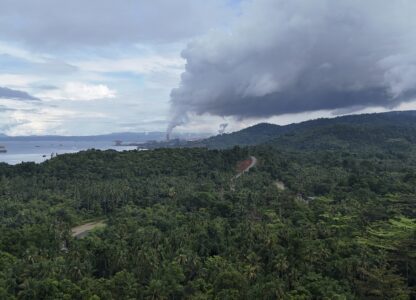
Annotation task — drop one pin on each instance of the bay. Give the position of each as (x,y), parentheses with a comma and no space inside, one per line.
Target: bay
(39,151)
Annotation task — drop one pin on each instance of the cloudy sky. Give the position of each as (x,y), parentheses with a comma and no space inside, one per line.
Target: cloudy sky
(99,66)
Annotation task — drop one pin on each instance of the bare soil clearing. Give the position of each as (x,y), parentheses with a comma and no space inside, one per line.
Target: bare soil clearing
(245,166)
(83,230)
(280,185)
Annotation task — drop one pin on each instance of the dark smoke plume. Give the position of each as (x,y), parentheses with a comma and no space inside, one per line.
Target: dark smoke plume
(223,126)
(294,56)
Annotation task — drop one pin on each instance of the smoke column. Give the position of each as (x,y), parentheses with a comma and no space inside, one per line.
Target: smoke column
(295,56)
(223,126)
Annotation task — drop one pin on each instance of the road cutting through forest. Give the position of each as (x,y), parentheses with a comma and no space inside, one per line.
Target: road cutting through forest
(84,229)
(245,168)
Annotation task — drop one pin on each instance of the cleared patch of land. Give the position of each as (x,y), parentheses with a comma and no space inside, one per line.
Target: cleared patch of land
(245,165)
(280,185)
(83,230)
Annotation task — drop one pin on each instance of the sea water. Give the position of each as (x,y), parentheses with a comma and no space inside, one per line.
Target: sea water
(39,151)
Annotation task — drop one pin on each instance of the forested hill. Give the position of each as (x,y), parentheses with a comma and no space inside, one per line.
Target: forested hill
(328,212)
(351,137)
(253,135)
(398,127)
(391,127)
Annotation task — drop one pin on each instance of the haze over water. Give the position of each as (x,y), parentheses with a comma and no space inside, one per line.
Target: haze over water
(39,151)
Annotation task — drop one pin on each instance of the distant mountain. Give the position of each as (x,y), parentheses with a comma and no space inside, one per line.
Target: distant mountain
(254,135)
(392,129)
(320,133)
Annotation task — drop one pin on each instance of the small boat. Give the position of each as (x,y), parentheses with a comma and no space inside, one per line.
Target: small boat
(3,149)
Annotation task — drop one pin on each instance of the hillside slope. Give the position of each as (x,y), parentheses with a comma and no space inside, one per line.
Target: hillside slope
(178,227)
(397,127)
(391,131)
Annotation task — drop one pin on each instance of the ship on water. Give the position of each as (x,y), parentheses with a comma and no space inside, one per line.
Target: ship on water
(3,149)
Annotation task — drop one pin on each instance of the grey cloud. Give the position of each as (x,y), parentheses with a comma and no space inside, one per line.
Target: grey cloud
(54,66)
(295,56)
(47,87)
(10,125)
(6,109)
(7,93)
(12,64)
(51,23)
(142,123)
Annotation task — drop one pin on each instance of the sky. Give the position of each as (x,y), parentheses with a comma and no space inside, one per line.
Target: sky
(99,66)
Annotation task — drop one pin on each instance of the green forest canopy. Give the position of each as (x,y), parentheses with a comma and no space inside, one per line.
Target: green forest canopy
(344,227)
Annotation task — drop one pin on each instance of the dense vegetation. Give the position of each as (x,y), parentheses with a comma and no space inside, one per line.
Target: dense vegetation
(180,227)
(265,133)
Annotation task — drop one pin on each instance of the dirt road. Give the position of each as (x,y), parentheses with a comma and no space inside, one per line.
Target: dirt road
(252,164)
(83,230)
